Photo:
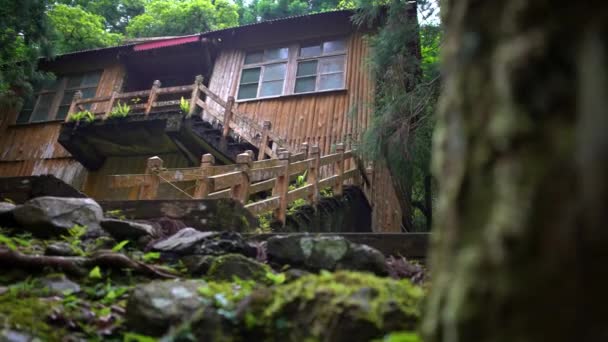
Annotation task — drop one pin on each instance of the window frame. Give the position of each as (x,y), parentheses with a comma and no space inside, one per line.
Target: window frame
(292,63)
(262,66)
(61,88)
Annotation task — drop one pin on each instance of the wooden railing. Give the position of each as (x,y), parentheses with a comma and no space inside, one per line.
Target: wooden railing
(247,177)
(143,102)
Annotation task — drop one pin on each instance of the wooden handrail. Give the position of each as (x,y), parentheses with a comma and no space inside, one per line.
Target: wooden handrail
(246,178)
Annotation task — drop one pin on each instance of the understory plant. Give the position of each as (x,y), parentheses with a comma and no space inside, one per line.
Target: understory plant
(184,105)
(84,115)
(121,110)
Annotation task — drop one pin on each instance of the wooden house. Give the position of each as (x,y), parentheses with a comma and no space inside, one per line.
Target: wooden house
(292,80)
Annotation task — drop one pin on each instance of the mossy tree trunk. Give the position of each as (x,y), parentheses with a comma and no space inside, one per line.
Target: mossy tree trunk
(521,157)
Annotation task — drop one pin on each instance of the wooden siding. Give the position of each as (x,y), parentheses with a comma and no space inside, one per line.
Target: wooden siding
(319,118)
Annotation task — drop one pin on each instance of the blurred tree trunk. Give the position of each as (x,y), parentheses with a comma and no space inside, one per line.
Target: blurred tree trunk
(521,157)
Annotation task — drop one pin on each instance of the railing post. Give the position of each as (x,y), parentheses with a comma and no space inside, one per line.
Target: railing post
(149,189)
(240,191)
(313,173)
(203,187)
(304,148)
(153,95)
(228,116)
(264,141)
(369,172)
(75,99)
(339,169)
(281,188)
(111,103)
(196,91)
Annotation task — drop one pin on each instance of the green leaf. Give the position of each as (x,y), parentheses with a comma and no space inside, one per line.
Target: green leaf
(120,246)
(133,337)
(276,279)
(95,273)
(151,256)
(8,242)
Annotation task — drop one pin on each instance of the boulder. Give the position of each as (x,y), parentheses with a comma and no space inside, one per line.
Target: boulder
(226,267)
(154,307)
(183,242)
(59,284)
(53,216)
(126,230)
(6,214)
(198,265)
(324,253)
(60,249)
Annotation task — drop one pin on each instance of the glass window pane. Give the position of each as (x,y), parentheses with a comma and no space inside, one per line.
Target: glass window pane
(334,46)
(88,93)
(74,81)
(248,91)
(24,116)
(254,57)
(332,65)
(271,88)
(91,78)
(67,97)
(41,113)
(250,76)
(305,84)
(275,54)
(62,112)
(310,51)
(331,81)
(274,72)
(307,68)
(49,85)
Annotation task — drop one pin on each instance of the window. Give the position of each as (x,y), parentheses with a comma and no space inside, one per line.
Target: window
(52,99)
(321,67)
(305,68)
(264,73)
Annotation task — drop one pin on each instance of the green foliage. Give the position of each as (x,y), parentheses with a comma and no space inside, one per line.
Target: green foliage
(260,10)
(226,295)
(85,116)
(117,13)
(8,242)
(133,337)
(276,278)
(151,256)
(403,336)
(121,110)
(171,17)
(77,29)
(119,246)
(74,238)
(184,106)
(116,214)
(95,273)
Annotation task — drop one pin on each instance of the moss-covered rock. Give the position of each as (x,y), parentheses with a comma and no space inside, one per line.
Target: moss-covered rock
(27,316)
(225,268)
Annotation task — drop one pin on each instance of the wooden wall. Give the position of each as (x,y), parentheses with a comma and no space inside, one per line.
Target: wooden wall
(323,118)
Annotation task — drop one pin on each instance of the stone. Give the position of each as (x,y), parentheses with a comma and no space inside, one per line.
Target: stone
(53,216)
(226,267)
(8,335)
(154,307)
(183,242)
(127,230)
(60,284)
(317,253)
(6,214)
(60,249)
(198,265)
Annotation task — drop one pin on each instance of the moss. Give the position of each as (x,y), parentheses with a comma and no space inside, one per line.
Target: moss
(228,266)
(28,315)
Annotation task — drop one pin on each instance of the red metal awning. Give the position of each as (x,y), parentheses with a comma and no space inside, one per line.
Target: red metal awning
(167,42)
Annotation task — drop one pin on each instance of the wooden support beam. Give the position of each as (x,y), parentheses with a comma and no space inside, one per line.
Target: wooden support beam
(281,188)
(339,170)
(196,91)
(110,105)
(313,174)
(202,188)
(228,116)
(73,105)
(240,190)
(149,189)
(153,95)
(266,127)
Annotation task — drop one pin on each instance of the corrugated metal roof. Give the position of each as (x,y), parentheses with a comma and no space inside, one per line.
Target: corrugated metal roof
(166,43)
(207,33)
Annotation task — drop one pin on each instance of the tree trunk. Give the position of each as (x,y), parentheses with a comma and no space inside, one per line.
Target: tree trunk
(521,157)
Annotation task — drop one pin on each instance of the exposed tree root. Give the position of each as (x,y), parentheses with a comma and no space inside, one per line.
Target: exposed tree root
(79,265)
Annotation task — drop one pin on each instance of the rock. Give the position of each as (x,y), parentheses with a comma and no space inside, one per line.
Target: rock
(126,230)
(198,265)
(183,242)
(225,268)
(60,284)
(8,335)
(363,258)
(53,216)
(189,241)
(6,214)
(152,308)
(60,249)
(324,252)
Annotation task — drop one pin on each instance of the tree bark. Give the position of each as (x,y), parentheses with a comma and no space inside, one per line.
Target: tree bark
(521,158)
